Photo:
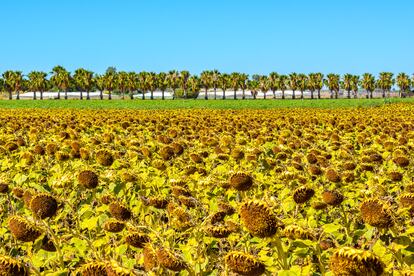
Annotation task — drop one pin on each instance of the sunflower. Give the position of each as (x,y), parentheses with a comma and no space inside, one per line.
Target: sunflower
(22,229)
(244,264)
(258,218)
(350,261)
(376,213)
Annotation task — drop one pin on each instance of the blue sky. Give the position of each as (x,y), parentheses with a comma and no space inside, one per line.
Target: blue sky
(257,36)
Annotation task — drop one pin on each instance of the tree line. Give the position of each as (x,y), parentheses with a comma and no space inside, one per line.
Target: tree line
(182,84)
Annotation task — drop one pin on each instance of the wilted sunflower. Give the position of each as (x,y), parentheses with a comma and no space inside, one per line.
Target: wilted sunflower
(114,269)
(137,239)
(114,225)
(303,194)
(294,232)
(88,179)
(93,269)
(319,205)
(18,192)
(4,188)
(104,158)
(12,267)
(244,264)
(407,200)
(22,229)
(119,211)
(169,260)
(332,175)
(241,181)
(258,219)
(376,213)
(48,245)
(332,198)
(401,161)
(43,205)
(150,257)
(350,261)
(218,231)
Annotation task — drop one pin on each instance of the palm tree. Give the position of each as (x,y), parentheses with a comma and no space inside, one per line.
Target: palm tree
(152,83)
(244,78)
(205,78)
(293,83)
(346,84)
(172,80)
(99,81)
(13,81)
(61,79)
(283,82)
(110,81)
(404,83)
(1,85)
(122,82)
(37,83)
(224,83)
(355,85)
(184,75)
(302,83)
(316,83)
(215,77)
(385,82)
(254,87)
(194,85)
(132,84)
(84,81)
(273,79)
(162,83)
(235,83)
(143,83)
(264,85)
(368,83)
(333,84)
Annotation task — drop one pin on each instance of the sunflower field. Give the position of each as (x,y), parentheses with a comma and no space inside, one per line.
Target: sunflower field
(207,192)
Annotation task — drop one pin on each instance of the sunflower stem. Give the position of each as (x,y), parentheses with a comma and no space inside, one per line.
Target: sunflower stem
(281,253)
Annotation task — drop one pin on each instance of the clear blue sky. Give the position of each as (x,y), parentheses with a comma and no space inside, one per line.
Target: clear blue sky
(257,36)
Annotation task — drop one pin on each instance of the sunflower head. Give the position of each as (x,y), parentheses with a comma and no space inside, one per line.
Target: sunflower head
(244,264)
(303,194)
(170,260)
(10,266)
(258,218)
(88,179)
(332,175)
(119,211)
(137,239)
(104,158)
(407,200)
(350,261)
(319,205)
(376,213)
(241,181)
(218,231)
(43,205)
(22,229)
(48,245)
(332,198)
(18,192)
(150,257)
(4,188)
(114,225)
(294,232)
(93,269)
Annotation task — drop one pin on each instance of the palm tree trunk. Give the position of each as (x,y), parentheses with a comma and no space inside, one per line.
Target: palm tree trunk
(264,95)
(58,97)
(293,94)
(274,94)
(331,94)
(319,94)
(109,95)
(235,96)
(349,94)
(41,95)
(173,94)
(301,94)
(254,95)
(336,94)
(131,95)
(34,95)
(152,95)
(66,94)
(101,95)
(311,94)
(81,95)
(162,95)
(18,95)
(123,95)
(215,93)
(383,93)
(283,94)
(143,95)
(244,95)
(371,94)
(87,95)
(185,93)
(224,94)
(10,95)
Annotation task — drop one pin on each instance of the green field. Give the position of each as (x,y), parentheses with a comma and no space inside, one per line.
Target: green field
(214,104)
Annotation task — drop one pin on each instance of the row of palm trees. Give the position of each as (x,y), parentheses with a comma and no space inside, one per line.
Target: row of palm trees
(131,83)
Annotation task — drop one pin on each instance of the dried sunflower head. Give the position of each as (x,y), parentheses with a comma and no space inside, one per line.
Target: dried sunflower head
(43,205)
(4,188)
(332,198)
(88,179)
(169,260)
(303,194)
(104,158)
(119,211)
(258,218)
(12,267)
(114,225)
(93,269)
(350,261)
(376,213)
(295,232)
(150,257)
(241,181)
(22,229)
(137,239)
(218,231)
(407,200)
(244,264)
